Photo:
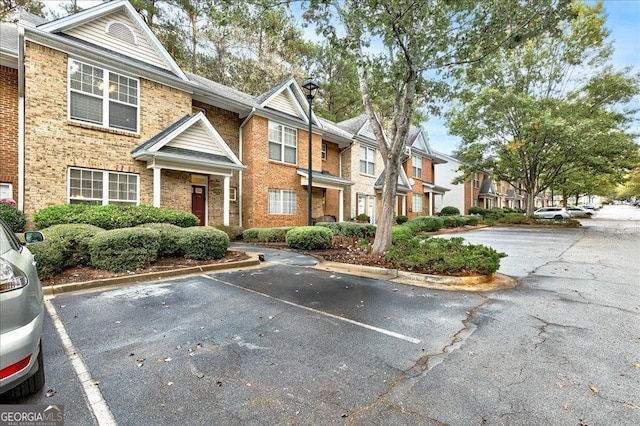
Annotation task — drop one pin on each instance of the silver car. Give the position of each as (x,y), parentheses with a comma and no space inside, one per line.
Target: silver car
(576,211)
(551,213)
(21,316)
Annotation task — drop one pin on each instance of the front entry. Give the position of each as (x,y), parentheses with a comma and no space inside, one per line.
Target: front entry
(198,203)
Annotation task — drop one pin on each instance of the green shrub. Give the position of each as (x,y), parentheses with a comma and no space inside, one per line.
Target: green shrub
(14,217)
(309,238)
(400,219)
(567,223)
(250,235)
(49,258)
(73,242)
(111,216)
(401,233)
(350,229)
(449,211)
(490,220)
(234,232)
(273,235)
(445,256)
(471,220)
(169,239)
(515,218)
(425,224)
(204,243)
(477,211)
(362,217)
(124,249)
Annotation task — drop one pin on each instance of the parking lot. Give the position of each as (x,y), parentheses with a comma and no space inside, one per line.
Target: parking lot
(286,343)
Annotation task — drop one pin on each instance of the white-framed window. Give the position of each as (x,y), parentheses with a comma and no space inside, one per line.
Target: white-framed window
(102,97)
(87,186)
(6,190)
(283,143)
(416,166)
(282,201)
(417,203)
(233,193)
(324,151)
(476,180)
(367,160)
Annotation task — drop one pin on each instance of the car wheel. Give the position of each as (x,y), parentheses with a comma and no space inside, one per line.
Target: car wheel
(557,217)
(30,386)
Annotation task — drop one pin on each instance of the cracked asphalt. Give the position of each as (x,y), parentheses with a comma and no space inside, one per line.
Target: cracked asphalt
(286,343)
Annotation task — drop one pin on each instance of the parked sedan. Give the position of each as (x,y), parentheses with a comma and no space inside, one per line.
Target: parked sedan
(551,213)
(21,317)
(576,211)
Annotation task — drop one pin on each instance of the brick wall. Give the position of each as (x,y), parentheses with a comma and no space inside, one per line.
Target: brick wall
(53,143)
(9,128)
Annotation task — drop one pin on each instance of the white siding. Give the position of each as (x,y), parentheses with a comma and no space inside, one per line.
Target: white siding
(284,103)
(196,138)
(444,174)
(95,32)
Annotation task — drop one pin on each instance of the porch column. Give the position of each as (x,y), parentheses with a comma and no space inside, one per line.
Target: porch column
(404,205)
(156,186)
(430,203)
(340,205)
(225,208)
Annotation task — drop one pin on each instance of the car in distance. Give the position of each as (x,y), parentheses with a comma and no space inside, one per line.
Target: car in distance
(576,211)
(21,317)
(551,213)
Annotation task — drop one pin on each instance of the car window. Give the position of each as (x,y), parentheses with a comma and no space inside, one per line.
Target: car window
(8,240)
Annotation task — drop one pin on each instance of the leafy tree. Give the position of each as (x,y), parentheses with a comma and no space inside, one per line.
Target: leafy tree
(404,48)
(9,7)
(533,116)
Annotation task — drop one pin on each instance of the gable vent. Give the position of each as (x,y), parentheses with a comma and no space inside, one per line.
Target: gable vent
(122,32)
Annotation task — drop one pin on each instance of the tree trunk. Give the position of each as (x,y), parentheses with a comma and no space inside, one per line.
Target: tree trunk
(385,219)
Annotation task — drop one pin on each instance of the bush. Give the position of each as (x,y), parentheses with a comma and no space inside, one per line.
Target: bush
(362,217)
(124,249)
(111,216)
(445,256)
(234,232)
(477,211)
(400,219)
(72,241)
(169,239)
(309,238)
(515,218)
(471,220)
(14,217)
(425,224)
(449,211)
(204,243)
(401,233)
(350,229)
(250,235)
(49,257)
(273,235)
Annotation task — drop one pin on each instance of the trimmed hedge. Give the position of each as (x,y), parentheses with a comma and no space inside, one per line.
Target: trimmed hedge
(126,249)
(49,257)
(72,240)
(14,217)
(310,238)
(425,224)
(350,229)
(400,219)
(234,232)
(111,216)
(273,235)
(401,233)
(445,256)
(250,235)
(204,243)
(169,239)
(450,211)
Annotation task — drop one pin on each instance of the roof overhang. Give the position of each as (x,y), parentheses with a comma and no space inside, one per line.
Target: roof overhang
(323,180)
(434,189)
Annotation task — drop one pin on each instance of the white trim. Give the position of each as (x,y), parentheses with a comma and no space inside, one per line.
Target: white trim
(9,187)
(281,143)
(105,185)
(114,21)
(225,201)
(21,119)
(157,186)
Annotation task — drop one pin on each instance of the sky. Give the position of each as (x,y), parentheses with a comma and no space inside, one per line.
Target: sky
(623,20)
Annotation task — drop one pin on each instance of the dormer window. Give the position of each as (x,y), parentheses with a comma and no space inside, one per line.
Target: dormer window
(122,32)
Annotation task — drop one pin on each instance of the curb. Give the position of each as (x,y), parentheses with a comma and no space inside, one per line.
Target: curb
(254,259)
(442,282)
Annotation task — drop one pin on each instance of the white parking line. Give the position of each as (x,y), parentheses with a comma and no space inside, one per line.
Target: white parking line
(95,401)
(347,320)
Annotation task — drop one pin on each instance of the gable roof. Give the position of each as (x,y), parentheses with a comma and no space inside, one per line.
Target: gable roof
(116,24)
(287,97)
(404,186)
(193,140)
(418,141)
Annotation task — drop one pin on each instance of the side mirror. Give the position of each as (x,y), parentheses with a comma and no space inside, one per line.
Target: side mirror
(31,237)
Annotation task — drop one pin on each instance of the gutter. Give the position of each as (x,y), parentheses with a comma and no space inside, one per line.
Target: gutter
(240,143)
(21,118)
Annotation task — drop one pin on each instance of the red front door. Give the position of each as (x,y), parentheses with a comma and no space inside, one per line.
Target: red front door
(198,200)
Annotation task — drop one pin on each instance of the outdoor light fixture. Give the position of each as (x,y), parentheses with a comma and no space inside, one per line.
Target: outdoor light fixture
(310,86)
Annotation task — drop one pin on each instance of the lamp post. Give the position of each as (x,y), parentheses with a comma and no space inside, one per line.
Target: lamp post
(310,86)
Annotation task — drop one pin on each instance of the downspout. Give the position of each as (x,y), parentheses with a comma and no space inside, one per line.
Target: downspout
(239,194)
(21,118)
